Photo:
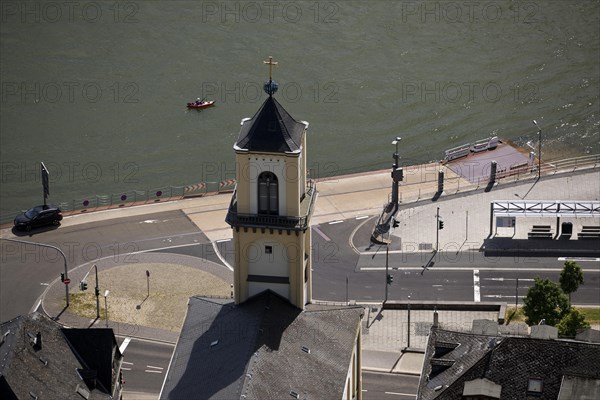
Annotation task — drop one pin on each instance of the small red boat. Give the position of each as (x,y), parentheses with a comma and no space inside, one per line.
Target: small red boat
(200,103)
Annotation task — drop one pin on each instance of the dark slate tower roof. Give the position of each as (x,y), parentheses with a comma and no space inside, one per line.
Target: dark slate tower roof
(272,129)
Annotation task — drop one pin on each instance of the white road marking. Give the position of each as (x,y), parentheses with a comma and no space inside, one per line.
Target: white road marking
(480,269)
(218,253)
(336,222)
(499,296)
(150,366)
(362,217)
(153,371)
(476,286)
(44,284)
(324,236)
(401,394)
(125,369)
(127,362)
(124,344)
(509,279)
(578,259)
(37,305)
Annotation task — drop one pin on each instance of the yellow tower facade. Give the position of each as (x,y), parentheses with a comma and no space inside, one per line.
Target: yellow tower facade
(272,205)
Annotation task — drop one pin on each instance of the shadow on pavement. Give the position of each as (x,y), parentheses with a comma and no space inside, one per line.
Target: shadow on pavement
(34,231)
(508,247)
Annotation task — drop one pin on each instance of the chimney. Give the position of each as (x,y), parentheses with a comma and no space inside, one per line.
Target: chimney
(484,327)
(543,332)
(37,343)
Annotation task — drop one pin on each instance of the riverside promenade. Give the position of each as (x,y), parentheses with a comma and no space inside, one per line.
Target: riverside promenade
(339,198)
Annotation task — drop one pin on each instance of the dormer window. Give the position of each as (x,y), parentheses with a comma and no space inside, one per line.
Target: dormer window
(535,387)
(268,195)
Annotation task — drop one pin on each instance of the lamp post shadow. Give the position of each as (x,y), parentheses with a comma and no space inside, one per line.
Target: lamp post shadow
(139,306)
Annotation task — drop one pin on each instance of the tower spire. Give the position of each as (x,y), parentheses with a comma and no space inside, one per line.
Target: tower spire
(271,86)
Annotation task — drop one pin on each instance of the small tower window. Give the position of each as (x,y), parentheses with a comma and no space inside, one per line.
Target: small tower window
(268,195)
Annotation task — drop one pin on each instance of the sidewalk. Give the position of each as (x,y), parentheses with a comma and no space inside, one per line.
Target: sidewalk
(465,212)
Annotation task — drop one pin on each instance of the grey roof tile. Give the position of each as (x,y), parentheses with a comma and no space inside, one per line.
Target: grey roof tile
(507,361)
(48,371)
(259,354)
(271,129)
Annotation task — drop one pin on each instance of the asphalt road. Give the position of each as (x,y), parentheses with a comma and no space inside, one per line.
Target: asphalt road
(26,270)
(145,365)
(381,386)
(341,253)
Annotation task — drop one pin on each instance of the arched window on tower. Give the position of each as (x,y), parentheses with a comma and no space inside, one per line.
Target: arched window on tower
(268,195)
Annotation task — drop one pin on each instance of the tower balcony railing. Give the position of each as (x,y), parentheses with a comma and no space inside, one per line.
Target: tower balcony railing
(269,221)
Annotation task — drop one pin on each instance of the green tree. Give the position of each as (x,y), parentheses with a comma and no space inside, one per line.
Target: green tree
(545,300)
(571,323)
(570,278)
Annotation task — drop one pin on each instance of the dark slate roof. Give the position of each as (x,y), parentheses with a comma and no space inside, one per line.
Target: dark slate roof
(506,361)
(95,349)
(271,130)
(255,350)
(48,371)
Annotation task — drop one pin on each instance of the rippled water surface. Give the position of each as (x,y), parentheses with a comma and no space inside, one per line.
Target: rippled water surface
(97,90)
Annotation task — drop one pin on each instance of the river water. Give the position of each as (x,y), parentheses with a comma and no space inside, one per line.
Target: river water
(97,90)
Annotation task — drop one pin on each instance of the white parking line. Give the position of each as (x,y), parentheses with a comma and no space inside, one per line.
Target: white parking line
(336,222)
(476,286)
(401,394)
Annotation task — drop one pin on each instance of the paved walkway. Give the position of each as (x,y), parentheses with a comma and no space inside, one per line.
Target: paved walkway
(466,219)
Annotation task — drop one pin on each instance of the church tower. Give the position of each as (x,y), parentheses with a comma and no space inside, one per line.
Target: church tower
(272,205)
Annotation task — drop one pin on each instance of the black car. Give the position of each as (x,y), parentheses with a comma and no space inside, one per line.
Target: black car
(38,216)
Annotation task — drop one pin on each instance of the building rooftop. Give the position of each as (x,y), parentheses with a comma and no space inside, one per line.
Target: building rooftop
(40,358)
(453,359)
(272,129)
(263,348)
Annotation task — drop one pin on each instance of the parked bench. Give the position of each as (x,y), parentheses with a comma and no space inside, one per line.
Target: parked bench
(589,232)
(541,228)
(539,235)
(540,232)
(592,229)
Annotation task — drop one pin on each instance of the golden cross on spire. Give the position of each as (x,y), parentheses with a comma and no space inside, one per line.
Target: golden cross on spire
(270,63)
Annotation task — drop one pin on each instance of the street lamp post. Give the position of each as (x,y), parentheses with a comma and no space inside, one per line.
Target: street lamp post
(66,276)
(387,275)
(408,328)
(539,149)
(437,230)
(396,173)
(106,306)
